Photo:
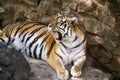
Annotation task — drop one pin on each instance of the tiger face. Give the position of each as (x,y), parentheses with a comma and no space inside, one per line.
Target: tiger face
(63,27)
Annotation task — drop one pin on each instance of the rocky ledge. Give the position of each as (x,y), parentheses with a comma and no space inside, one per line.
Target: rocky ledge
(14,66)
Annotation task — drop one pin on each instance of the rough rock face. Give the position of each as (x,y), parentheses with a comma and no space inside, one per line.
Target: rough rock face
(100,17)
(13,65)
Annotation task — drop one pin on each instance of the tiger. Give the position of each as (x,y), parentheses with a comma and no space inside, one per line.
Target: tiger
(61,42)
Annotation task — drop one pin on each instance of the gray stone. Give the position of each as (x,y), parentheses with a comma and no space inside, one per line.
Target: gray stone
(13,64)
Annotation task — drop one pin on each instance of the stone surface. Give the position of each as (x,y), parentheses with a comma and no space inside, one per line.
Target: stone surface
(100,17)
(91,71)
(13,65)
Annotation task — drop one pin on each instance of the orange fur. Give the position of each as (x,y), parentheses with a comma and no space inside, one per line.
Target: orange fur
(79,67)
(56,64)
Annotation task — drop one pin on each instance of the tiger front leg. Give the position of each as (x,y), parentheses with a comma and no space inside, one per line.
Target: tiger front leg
(78,64)
(56,63)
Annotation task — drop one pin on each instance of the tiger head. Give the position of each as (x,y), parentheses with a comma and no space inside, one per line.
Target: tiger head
(65,28)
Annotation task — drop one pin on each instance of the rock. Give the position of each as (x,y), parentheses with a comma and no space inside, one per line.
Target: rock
(4,76)
(94,71)
(100,17)
(4,60)
(41,70)
(13,64)
(91,71)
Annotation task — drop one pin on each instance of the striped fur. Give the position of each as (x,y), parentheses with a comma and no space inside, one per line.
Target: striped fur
(29,37)
(61,43)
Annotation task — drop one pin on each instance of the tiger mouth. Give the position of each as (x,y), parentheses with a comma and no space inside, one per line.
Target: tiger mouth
(57,35)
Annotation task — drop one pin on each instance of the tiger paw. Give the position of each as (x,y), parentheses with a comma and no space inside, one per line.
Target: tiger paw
(62,74)
(75,72)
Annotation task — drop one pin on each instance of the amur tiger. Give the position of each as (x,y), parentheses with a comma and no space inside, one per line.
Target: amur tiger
(62,42)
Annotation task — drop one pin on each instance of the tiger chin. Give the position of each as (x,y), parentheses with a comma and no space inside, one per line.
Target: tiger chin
(60,43)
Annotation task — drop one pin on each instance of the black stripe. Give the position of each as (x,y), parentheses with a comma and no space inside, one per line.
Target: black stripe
(35,30)
(9,39)
(24,37)
(51,47)
(30,53)
(67,48)
(59,56)
(13,39)
(44,40)
(38,37)
(41,51)
(19,50)
(27,28)
(30,33)
(79,44)
(64,45)
(62,51)
(61,29)
(62,23)
(19,27)
(83,39)
(65,26)
(75,38)
(66,32)
(28,38)
(2,40)
(34,52)
(42,46)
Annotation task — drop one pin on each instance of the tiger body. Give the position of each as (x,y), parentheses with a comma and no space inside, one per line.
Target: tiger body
(29,37)
(58,44)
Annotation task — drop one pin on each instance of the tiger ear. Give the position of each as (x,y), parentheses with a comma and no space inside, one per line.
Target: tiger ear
(74,20)
(49,27)
(60,13)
